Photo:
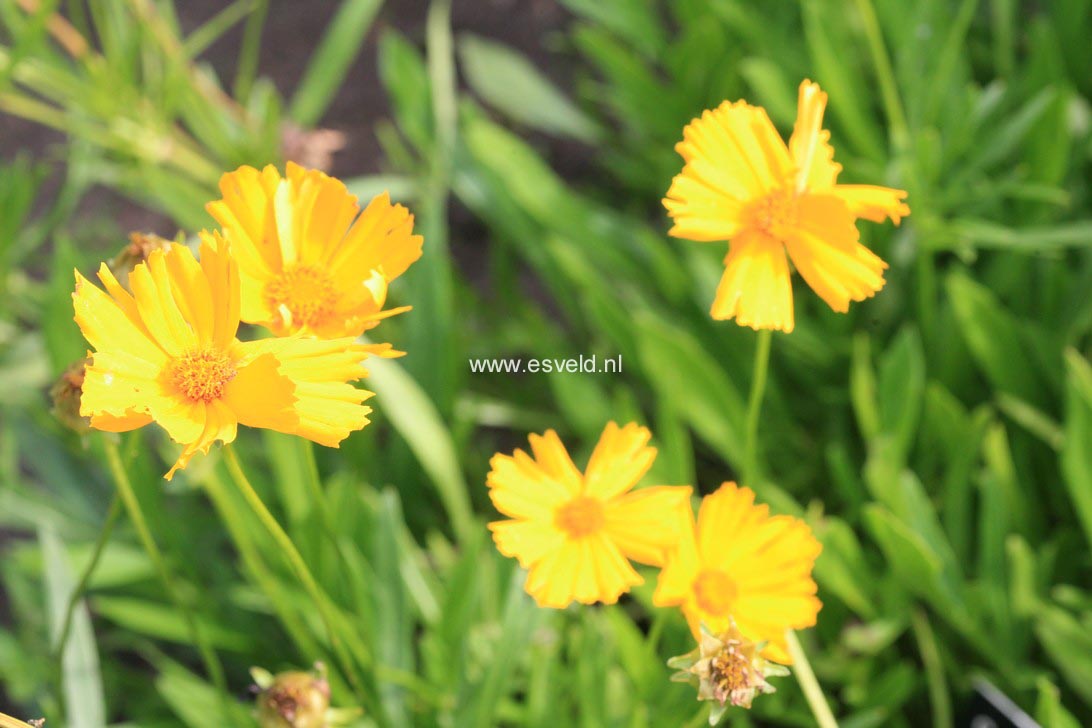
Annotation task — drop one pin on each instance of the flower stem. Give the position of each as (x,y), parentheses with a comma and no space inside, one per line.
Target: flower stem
(85,578)
(295,560)
(806,677)
(754,405)
(128,496)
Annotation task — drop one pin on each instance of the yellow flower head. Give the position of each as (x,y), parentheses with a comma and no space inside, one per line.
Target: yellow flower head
(574,531)
(167,353)
(739,563)
(310,261)
(742,184)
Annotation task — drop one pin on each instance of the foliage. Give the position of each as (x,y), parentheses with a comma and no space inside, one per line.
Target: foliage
(938,438)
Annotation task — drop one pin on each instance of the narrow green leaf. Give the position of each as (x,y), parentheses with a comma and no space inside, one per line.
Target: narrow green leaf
(331,60)
(510,83)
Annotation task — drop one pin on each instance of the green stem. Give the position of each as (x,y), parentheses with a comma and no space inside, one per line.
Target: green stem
(806,677)
(128,496)
(295,560)
(85,578)
(934,668)
(885,74)
(754,406)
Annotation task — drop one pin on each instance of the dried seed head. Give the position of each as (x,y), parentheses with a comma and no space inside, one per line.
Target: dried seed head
(727,669)
(297,700)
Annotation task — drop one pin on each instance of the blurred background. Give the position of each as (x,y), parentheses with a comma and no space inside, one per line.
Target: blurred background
(938,438)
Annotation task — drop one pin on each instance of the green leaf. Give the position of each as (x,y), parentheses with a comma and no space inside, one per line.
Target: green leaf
(330,62)
(1069,644)
(994,339)
(1077,452)
(686,374)
(508,82)
(81,678)
(404,403)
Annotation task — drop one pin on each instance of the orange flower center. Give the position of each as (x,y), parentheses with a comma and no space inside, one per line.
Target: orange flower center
(580,517)
(714,591)
(304,294)
(773,213)
(201,375)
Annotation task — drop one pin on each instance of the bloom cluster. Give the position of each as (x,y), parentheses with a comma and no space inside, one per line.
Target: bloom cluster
(296,255)
(741,577)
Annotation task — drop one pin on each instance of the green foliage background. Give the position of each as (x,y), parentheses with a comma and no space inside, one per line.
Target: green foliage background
(938,438)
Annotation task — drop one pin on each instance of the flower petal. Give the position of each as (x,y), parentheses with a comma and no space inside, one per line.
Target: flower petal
(554,460)
(261,396)
(647,523)
(756,288)
(381,239)
(105,324)
(809,145)
(527,541)
(621,458)
(587,570)
(873,203)
(733,155)
(824,248)
(219,424)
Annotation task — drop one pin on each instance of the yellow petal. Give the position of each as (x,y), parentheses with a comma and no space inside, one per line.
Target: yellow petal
(222,272)
(873,203)
(328,406)
(824,248)
(125,423)
(675,584)
(192,293)
(219,424)
(381,239)
(553,459)
(647,523)
(527,541)
(756,288)
(520,488)
(726,522)
(105,324)
(586,570)
(733,155)
(809,145)
(620,459)
(156,306)
(246,213)
(261,396)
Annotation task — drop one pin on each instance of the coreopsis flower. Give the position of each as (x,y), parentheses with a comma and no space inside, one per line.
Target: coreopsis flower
(741,183)
(740,563)
(575,531)
(167,353)
(726,668)
(310,261)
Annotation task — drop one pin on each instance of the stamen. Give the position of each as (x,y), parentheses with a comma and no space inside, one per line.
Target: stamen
(580,517)
(304,295)
(201,375)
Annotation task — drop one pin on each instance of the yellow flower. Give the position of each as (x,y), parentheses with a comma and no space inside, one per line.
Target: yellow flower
(742,184)
(167,353)
(739,563)
(574,531)
(310,261)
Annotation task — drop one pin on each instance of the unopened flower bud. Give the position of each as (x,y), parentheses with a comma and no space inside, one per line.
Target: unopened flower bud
(66,393)
(136,252)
